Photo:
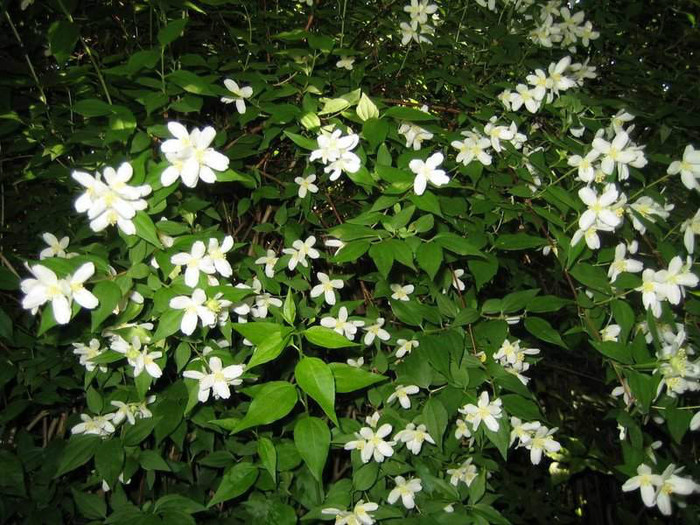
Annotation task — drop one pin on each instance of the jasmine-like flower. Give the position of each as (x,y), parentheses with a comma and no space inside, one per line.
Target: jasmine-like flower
(405,347)
(300,250)
(217,381)
(401,393)
(306,185)
(427,172)
(194,262)
(375,330)
(414,437)
(406,490)
(341,325)
(269,260)
(401,293)
(326,288)
(240,94)
(194,307)
(486,411)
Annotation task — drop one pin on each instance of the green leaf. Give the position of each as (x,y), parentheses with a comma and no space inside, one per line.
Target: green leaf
(375,131)
(109,294)
(289,310)
(348,378)
(79,451)
(109,460)
(272,402)
(327,338)
(257,332)
(92,107)
(435,418)
(316,379)
(412,114)
(518,241)
(168,323)
(383,258)
(268,456)
(176,502)
(63,35)
(301,141)
(351,252)
(171,32)
(366,109)
(429,257)
(591,276)
(457,244)
(520,407)
(483,271)
(365,477)
(543,330)
(313,440)
(269,349)
(90,505)
(152,460)
(146,229)
(236,481)
(500,439)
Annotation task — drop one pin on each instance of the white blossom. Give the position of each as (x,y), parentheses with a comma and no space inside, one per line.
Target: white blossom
(326,288)
(194,262)
(401,393)
(300,250)
(98,425)
(218,381)
(414,437)
(688,167)
(375,330)
(405,347)
(486,411)
(466,473)
(306,185)
(401,293)
(341,324)
(240,94)
(406,490)
(194,307)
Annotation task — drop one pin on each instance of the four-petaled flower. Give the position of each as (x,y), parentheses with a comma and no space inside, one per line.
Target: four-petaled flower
(194,307)
(427,172)
(406,490)
(401,393)
(239,94)
(486,411)
(306,185)
(217,381)
(376,330)
(401,293)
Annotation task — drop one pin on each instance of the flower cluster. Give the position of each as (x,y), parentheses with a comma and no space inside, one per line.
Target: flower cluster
(418,30)
(512,358)
(656,489)
(105,425)
(535,437)
(335,152)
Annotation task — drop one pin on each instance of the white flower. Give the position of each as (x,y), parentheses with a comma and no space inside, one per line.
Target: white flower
(486,411)
(653,292)
(359,515)
(331,146)
(621,264)
(217,381)
(55,248)
(105,485)
(269,260)
(616,153)
(406,490)
(646,482)
(326,288)
(356,363)
(239,95)
(348,162)
(300,250)
(695,422)
(557,75)
(217,255)
(401,293)
(427,172)
(523,432)
(111,201)
(689,168)
(462,429)
(419,10)
(194,307)
(457,283)
(334,243)
(647,208)
(341,325)
(125,411)
(541,85)
(146,361)
(600,208)
(190,156)
(376,330)
(415,135)
(610,333)
(196,261)
(98,425)
(525,96)
(675,278)
(474,146)
(345,62)
(88,352)
(45,287)
(690,229)
(306,185)
(497,133)
(671,483)
(465,473)
(262,303)
(586,169)
(405,347)
(541,441)
(401,393)
(372,444)
(415,32)
(414,437)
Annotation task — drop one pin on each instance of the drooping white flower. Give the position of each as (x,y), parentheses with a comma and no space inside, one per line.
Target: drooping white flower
(87,352)
(341,325)
(55,248)
(622,264)
(405,347)
(98,425)
(647,208)
(240,94)
(326,288)
(300,250)
(672,483)
(401,393)
(194,262)
(375,330)
(419,10)
(263,302)
(217,381)
(414,437)
(217,254)
(427,172)
(462,429)
(191,157)
(676,278)
(406,490)
(540,442)
(474,146)
(401,293)
(356,363)
(269,260)
(457,283)
(466,473)
(345,62)
(348,162)
(194,307)
(486,411)
(688,167)
(521,431)
(125,411)
(372,444)
(497,133)
(306,185)
(610,332)
(690,229)
(111,201)
(653,292)
(646,482)
(146,361)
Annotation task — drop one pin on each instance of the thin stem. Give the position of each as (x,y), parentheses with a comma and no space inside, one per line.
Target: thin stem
(42,95)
